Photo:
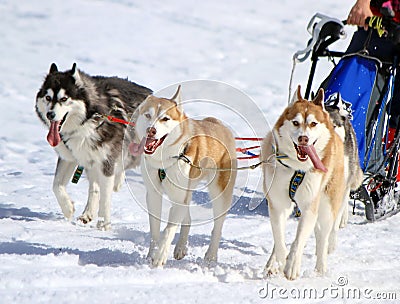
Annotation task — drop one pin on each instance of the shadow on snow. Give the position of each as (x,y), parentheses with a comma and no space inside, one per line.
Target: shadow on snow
(25,214)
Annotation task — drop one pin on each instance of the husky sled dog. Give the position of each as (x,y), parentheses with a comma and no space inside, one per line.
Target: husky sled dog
(72,105)
(340,114)
(173,147)
(308,172)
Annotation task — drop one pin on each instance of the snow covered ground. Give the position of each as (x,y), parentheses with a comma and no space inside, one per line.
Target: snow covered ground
(246,44)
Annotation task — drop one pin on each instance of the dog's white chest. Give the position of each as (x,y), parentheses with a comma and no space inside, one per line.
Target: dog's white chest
(176,177)
(303,192)
(83,144)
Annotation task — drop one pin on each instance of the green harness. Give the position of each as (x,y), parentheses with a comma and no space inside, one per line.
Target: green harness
(77,175)
(162,174)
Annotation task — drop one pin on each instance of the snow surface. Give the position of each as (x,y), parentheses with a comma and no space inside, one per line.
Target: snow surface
(246,44)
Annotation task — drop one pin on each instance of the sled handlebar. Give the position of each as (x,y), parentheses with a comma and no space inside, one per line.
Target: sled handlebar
(326,30)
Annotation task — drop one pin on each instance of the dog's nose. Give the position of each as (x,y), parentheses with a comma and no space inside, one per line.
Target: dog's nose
(151,131)
(50,115)
(303,140)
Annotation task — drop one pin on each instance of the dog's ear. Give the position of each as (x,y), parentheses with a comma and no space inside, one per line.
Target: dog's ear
(296,96)
(339,103)
(177,97)
(319,100)
(53,68)
(76,75)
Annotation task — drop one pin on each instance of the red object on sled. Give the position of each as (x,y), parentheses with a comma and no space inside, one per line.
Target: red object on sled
(392,5)
(390,137)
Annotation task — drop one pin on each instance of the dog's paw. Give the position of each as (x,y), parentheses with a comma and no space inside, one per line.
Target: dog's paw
(292,267)
(320,270)
(102,225)
(210,257)
(274,266)
(68,209)
(119,180)
(85,218)
(345,217)
(271,270)
(180,251)
(153,248)
(160,257)
(343,221)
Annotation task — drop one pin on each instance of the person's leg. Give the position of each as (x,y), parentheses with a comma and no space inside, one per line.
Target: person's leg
(379,47)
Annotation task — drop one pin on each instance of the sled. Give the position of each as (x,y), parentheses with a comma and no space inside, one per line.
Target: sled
(366,84)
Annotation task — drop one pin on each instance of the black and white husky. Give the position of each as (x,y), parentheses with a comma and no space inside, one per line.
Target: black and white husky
(341,114)
(74,106)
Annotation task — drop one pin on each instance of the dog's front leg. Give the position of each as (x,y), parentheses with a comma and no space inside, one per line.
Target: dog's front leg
(343,214)
(176,215)
(323,229)
(306,226)
(154,205)
(339,222)
(278,215)
(181,247)
(63,174)
(92,204)
(106,184)
(119,176)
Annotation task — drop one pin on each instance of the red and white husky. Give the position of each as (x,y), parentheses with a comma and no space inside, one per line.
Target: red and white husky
(303,142)
(166,133)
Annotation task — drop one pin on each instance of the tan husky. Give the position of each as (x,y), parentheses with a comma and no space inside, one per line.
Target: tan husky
(307,172)
(173,147)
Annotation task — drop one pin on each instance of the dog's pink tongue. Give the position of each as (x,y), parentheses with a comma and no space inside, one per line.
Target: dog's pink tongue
(312,154)
(54,137)
(136,149)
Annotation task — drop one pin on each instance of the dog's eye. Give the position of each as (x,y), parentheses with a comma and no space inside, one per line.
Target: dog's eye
(165,118)
(147,115)
(296,123)
(48,98)
(64,99)
(313,124)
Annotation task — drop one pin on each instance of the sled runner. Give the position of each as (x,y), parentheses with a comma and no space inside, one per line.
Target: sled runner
(364,85)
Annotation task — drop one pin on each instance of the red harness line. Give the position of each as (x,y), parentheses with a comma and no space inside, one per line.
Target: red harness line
(249,138)
(118,120)
(247,157)
(246,150)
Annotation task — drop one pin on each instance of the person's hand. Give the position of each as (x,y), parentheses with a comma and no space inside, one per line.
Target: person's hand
(359,12)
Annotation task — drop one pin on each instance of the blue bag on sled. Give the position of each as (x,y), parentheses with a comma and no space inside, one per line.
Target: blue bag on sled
(354,77)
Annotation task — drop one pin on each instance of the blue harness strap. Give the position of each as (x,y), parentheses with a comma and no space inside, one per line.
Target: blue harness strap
(295,182)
